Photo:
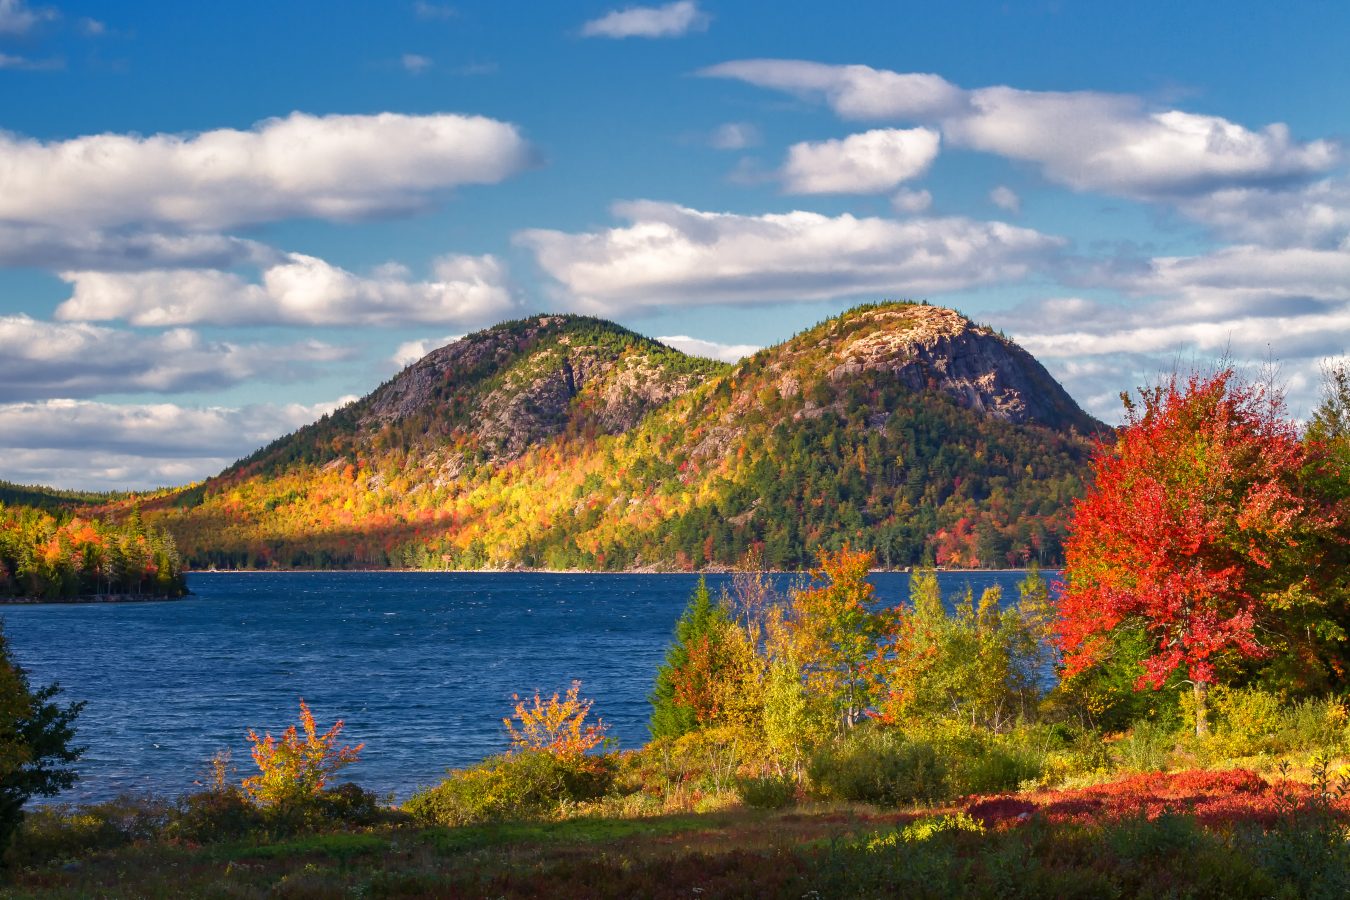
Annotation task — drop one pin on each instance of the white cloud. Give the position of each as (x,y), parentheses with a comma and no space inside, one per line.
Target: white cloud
(1311,215)
(867,163)
(853,92)
(138,446)
(1005,197)
(672,254)
(296,290)
(410,352)
(907,201)
(40,360)
(329,167)
(1112,143)
(416,63)
(92,27)
(671,20)
(17,17)
(710,349)
(734,136)
(1251,300)
(1248,303)
(1085,140)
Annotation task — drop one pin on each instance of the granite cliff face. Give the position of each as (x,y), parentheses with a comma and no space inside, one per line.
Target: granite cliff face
(519,384)
(933,348)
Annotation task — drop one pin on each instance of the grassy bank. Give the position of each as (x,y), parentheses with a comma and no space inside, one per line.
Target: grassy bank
(1190,833)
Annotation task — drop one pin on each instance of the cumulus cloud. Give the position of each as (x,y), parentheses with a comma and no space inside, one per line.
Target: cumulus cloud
(710,349)
(668,21)
(1310,215)
(295,290)
(734,136)
(139,445)
(906,201)
(854,92)
(1005,197)
(410,352)
(1112,143)
(41,360)
(17,17)
(673,254)
(1247,299)
(867,163)
(328,167)
(1247,303)
(1086,140)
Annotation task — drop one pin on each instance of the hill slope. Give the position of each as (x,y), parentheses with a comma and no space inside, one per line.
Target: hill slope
(568,442)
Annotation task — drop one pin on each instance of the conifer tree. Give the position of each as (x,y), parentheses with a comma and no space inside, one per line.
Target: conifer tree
(35,744)
(702,622)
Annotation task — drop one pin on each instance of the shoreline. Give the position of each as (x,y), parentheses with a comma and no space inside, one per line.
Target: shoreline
(90,598)
(524,571)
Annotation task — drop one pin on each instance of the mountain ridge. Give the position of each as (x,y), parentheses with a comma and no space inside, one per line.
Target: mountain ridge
(568,442)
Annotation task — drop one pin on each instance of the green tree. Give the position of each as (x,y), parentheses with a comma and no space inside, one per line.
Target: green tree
(699,627)
(35,743)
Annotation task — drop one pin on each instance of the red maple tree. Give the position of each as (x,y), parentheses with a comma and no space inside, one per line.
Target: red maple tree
(1192,510)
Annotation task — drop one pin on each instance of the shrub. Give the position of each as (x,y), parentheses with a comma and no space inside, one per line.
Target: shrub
(519,785)
(997,768)
(694,764)
(556,725)
(215,815)
(61,832)
(1147,748)
(767,791)
(293,769)
(880,766)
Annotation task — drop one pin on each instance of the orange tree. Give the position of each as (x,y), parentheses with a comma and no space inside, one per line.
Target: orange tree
(1187,533)
(834,632)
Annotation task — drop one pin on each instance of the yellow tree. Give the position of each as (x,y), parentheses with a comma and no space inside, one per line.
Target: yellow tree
(834,632)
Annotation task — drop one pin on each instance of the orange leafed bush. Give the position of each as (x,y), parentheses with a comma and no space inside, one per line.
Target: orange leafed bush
(556,725)
(293,767)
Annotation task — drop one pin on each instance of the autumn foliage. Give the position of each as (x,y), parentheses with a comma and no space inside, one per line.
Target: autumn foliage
(1187,532)
(556,725)
(295,767)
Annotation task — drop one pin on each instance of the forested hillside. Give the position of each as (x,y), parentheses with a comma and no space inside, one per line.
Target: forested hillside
(568,442)
(55,555)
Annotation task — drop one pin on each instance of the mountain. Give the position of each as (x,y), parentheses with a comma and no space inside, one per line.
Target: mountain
(569,442)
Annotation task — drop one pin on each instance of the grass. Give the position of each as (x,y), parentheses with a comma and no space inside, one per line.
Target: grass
(1133,837)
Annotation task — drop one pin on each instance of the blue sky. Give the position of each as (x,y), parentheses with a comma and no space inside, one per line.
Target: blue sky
(219,220)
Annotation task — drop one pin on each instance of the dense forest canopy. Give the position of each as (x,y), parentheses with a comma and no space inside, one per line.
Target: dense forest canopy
(58,555)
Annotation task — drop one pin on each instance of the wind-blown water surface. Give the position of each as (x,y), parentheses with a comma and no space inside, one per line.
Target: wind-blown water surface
(421,666)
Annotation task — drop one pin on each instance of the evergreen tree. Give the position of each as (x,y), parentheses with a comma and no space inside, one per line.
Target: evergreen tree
(35,744)
(702,620)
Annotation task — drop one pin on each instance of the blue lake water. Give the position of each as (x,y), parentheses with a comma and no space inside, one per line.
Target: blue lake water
(420,666)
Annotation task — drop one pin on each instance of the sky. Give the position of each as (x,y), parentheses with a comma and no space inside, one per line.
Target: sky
(219,221)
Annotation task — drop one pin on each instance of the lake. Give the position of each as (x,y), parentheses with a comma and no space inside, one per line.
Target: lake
(421,666)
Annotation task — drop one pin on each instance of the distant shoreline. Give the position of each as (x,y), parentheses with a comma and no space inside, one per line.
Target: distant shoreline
(574,571)
(91,598)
